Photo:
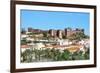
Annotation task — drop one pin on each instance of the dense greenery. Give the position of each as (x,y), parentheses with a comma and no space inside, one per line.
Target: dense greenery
(35,55)
(23,41)
(78,36)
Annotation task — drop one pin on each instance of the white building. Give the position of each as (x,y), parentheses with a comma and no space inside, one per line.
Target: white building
(25,47)
(64,42)
(38,46)
(24,36)
(29,39)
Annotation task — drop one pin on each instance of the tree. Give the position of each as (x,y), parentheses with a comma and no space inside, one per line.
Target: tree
(27,56)
(64,37)
(45,34)
(23,42)
(65,55)
(78,36)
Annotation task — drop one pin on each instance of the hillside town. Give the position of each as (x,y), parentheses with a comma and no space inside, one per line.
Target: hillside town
(39,45)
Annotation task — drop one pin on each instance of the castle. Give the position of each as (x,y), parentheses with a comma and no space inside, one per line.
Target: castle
(67,32)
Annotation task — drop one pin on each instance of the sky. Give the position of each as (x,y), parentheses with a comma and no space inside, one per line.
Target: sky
(54,20)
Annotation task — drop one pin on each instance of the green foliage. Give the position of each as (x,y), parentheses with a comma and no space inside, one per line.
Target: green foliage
(27,56)
(45,34)
(23,42)
(78,36)
(64,37)
(65,55)
(52,55)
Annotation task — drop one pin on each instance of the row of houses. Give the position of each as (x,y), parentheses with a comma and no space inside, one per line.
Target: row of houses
(61,45)
(56,43)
